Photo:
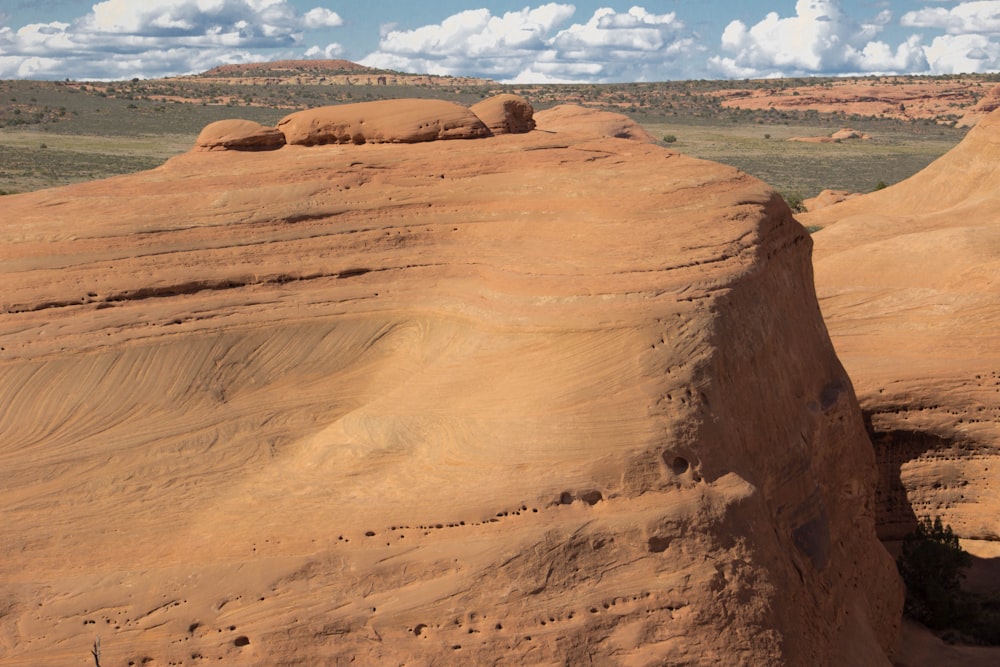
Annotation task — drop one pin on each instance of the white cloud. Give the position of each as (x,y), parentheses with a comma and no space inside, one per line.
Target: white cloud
(320,17)
(820,38)
(531,45)
(962,54)
(330,51)
(125,38)
(981,17)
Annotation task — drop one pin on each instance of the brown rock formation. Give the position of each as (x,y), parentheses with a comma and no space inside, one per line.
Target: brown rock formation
(908,281)
(539,398)
(505,114)
(568,119)
(907,97)
(382,122)
(239,135)
(828,198)
(843,134)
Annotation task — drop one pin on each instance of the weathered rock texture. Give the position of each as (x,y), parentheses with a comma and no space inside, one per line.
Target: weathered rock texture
(239,135)
(588,123)
(505,114)
(545,398)
(382,122)
(828,198)
(909,282)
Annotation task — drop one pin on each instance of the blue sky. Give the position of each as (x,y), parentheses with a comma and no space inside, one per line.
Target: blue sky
(521,41)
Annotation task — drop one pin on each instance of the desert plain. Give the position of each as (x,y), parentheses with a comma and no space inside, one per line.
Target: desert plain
(487,377)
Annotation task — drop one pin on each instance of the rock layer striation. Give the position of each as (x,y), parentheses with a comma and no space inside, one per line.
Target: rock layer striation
(539,398)
(909,280)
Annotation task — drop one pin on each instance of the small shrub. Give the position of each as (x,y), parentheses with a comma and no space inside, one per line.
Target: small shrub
(881,185)
(794,201)
(669,138)
(931,565)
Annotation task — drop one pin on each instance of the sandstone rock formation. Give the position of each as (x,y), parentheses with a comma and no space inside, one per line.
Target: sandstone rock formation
(548,398)
(908,281)
(843,134)
(239,135)
(828,198)
(382,122)
(571,120)
(505,114)
(906,97)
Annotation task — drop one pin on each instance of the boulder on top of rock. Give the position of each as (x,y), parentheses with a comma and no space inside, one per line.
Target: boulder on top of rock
(506,114)
(591,123)
(238,135)
(403,121)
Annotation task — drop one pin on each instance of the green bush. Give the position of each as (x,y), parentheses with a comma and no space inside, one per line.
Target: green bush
(669,138)
(931,565)
(794,201)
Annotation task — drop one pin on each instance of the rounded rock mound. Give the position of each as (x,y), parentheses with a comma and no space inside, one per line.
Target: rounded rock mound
(586,123)
(238,135)
(404,121)
(506,114)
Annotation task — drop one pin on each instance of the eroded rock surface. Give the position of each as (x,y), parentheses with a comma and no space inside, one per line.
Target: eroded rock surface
(569,120)
(239,135)
(382,122)
(828,198)
(541,398)
(506,114)
(909,283)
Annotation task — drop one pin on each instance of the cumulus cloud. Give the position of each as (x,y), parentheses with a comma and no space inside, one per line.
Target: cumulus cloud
(965,18)
(962,54)
(537,45)
(820,38)
(330,51)
(124,38)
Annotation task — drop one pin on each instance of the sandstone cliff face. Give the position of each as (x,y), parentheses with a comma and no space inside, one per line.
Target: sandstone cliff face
(541,398)
(908,281)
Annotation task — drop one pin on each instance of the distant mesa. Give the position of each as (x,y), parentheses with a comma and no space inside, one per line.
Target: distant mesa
(320,72)
(278,67)
(405,121)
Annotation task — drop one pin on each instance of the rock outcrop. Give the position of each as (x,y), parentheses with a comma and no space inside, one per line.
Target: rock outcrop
(382,122)
(239,135)
(908,282)
(841,135)
(541,398)
(505,114)
(571,120)
(828,198)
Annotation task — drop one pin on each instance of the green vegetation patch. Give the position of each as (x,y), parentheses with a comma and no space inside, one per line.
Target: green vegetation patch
(932,565)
